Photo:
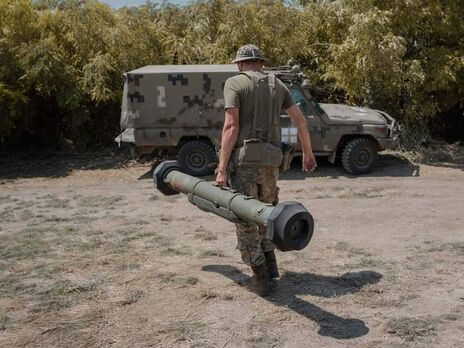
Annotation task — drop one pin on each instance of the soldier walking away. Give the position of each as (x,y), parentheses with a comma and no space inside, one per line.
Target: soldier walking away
(250,149)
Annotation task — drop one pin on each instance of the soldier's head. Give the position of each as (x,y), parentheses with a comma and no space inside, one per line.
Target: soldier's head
(249,57)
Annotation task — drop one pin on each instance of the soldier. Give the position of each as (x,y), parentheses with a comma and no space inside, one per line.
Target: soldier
(253,103)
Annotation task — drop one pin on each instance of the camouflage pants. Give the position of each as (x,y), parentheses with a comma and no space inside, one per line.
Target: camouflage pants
(260,183)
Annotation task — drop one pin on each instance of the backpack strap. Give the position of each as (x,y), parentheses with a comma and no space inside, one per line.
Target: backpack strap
(272,88)
(254,80)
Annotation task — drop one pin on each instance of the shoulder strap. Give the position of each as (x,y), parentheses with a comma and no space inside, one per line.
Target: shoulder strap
(272,88)
(254,80)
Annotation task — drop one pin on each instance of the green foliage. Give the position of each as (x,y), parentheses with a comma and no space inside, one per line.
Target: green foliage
(61,62)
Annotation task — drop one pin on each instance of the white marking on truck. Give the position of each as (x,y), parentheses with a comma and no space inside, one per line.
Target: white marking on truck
(161,97)
(289,135)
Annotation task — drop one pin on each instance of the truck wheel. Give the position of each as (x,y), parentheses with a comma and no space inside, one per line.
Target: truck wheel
(359,156)
(195,157)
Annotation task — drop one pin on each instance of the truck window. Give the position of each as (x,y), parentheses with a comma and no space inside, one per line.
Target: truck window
(300,99)
(312,101)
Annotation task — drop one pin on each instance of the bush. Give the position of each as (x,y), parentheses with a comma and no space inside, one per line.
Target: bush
(61,62)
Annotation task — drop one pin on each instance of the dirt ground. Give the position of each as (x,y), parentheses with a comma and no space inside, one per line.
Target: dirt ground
(91,255)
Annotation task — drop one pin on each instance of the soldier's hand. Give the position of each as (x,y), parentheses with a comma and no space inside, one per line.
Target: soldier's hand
(309,162)
(221,178)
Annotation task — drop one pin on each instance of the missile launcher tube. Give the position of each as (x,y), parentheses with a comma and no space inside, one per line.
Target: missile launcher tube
(241,208)
(289,225)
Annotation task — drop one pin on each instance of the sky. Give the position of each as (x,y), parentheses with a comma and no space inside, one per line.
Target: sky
(121,3)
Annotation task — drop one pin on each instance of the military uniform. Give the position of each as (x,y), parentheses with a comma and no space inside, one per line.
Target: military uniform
(262,96)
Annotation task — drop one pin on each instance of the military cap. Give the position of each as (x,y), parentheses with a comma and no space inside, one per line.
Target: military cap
(248,52)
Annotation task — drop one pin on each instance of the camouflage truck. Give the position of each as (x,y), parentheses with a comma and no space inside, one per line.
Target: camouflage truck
(178,110)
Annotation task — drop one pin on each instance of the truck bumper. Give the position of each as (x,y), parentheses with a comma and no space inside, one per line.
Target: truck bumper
(127,136)
(389,143)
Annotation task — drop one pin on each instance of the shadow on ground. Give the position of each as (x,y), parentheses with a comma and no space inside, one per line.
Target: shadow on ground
(441,155)
(387,165)
(55,165)
(292,284)
(46,164)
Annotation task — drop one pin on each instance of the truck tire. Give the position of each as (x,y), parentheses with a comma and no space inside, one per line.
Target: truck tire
(195,157)
(359,156)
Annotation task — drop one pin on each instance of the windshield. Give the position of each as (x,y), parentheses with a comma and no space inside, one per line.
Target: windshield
(307,104)
(300,99)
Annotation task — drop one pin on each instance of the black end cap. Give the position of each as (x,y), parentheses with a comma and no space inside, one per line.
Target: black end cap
(290,226)
(160,173)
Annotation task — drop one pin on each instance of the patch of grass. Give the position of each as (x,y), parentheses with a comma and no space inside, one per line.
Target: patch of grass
(184,330)
(166,218)
(48,196)
(3,321)
(56,203)
(107,202)
(368,262)
(26,214)
(400,301)
(450,317)
(407,297)
(191,280)
(208,294)
(24,204)
(129,267)
(459,246)
(410,328)
(132,236)
(69,286)
(171,277)
(212,253)
(205,235)
(262,339)
(175,251)
(162,241)
(437,248)
(22,249)
(5,198)
(352,251)
(7,214)
(417,264)
(228,297)
(167,277)
(342,192)
(454,246)
(132,297)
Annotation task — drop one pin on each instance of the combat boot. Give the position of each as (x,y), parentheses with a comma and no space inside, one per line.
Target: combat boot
(260,282)
(271,263)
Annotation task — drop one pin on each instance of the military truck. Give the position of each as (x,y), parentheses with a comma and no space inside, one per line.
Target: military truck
(178,110)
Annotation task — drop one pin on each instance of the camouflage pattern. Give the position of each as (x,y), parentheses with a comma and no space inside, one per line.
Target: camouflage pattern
(248,52)
(260,183)
(167,104)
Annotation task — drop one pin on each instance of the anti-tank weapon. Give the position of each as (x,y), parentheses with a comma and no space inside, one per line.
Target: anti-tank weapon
(289,225)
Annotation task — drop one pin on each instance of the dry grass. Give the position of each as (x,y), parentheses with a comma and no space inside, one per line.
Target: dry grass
(90,269)
(201,234)
(174,278)
(411,328)
(212,253)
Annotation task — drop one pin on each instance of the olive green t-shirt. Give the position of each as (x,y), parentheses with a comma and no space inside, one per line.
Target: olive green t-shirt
(239,92)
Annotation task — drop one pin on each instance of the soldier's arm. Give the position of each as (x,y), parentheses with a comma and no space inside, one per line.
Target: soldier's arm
(228,139)
(309,161)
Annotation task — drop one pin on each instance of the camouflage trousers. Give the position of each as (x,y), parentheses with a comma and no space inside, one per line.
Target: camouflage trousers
(260,183)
